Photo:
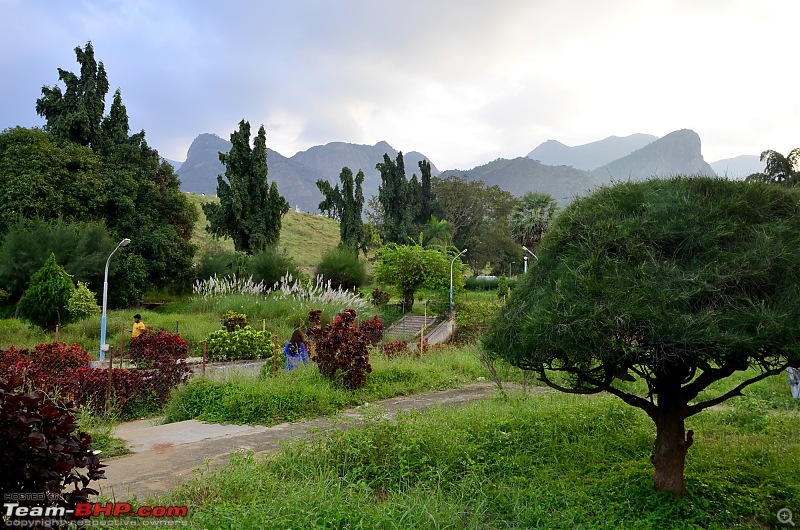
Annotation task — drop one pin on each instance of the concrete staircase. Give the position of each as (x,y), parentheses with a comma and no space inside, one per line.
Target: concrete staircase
(411,328)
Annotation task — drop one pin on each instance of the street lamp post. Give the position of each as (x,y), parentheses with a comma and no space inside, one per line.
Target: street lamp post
(451,277)
(103,345)
(525,270)
(526,249)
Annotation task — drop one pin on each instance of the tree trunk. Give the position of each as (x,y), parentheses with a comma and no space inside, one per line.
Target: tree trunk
(672,444)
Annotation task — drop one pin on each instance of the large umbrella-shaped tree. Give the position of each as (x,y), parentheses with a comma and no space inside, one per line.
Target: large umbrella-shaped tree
(680,283)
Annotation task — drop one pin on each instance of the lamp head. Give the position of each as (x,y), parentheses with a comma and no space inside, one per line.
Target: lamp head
(124,242)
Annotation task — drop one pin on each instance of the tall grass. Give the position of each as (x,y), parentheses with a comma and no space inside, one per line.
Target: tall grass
(538,461)
(305,393)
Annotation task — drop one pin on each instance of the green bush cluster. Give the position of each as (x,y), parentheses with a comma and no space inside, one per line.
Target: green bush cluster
(232,320)
(343,268)
(244,343)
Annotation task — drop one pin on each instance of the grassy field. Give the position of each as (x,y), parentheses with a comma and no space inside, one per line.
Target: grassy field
(305,236)
(541,460)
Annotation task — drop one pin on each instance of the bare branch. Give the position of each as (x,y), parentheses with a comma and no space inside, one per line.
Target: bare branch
(697,407)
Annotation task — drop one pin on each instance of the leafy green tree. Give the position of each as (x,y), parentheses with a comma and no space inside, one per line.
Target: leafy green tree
(249,209)
(347,205)
(76,114)
(783,170)
(82,303)
(479,215)
(410,267)
(532,217)
(41,178)
(680,283)
(82,248)
(428,205)
(137,194)
(45,301)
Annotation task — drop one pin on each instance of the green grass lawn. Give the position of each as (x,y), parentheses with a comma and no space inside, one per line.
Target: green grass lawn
(305,236)
(541,460)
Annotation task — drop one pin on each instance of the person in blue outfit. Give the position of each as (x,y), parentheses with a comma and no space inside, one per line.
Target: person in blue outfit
(296,351)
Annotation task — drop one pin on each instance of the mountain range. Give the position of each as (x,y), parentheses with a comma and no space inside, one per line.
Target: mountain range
(552,167)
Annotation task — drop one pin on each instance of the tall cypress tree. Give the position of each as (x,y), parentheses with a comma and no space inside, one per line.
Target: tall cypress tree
(347,205)
(250,209)
(393,195)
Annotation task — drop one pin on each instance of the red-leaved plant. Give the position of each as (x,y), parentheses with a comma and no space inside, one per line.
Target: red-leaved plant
(43,452)
(163,356)
(341,347)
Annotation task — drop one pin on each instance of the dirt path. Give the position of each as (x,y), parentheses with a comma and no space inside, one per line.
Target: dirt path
(165,455)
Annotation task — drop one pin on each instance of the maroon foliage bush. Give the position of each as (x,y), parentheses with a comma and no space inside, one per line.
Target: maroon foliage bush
(379,298)
(49,367)
(372,330)
(94,390)
(162,356)
(42,450)
(341,351)
(395,348)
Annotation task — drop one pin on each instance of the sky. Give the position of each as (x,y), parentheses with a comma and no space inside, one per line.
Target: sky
(462,81)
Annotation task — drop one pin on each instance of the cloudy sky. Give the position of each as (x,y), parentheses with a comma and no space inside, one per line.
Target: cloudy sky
(462,81)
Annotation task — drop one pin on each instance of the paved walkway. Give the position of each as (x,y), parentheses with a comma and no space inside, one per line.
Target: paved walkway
(165,455)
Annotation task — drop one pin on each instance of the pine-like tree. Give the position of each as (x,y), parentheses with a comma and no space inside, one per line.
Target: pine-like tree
(250,209)
(347,205)
(45,301)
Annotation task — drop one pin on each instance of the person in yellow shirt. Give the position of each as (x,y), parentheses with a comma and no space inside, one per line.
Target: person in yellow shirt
(138,326)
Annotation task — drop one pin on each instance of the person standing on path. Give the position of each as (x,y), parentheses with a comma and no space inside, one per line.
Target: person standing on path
(138,326)
(296,351)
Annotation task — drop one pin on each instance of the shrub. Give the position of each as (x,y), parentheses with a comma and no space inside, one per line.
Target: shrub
(243,343)
(232,320)
(217,261)
(42,450)
(503,290)
(95,391)
(473,318)
(163,355)
(49,367)
(379,298)
(482,284)
(372,330)
(395,348)
(341,351)
(268,266)
(45,301)
(82,303)
(342,267)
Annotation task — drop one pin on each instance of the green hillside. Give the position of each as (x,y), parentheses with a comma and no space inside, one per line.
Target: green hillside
(305,236)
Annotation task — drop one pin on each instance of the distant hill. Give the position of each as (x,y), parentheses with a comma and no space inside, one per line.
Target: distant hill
(521,175)
(296,176)
(738,167)
(592,155)
(677,153)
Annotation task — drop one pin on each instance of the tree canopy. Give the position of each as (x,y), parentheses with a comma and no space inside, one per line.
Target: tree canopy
(410,267)
(250,209)
(532,217)
(347,205)
(679,283)
(782,170)
(84,166)
(479,216)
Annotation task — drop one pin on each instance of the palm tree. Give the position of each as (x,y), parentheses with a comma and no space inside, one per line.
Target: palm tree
(530,220)
(438,233)
(780,169)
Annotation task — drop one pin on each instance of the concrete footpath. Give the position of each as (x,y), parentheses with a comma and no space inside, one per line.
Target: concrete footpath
(164,456)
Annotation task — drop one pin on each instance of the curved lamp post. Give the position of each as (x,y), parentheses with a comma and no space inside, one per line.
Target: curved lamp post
(451,277)
(526,249)
(103,345)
